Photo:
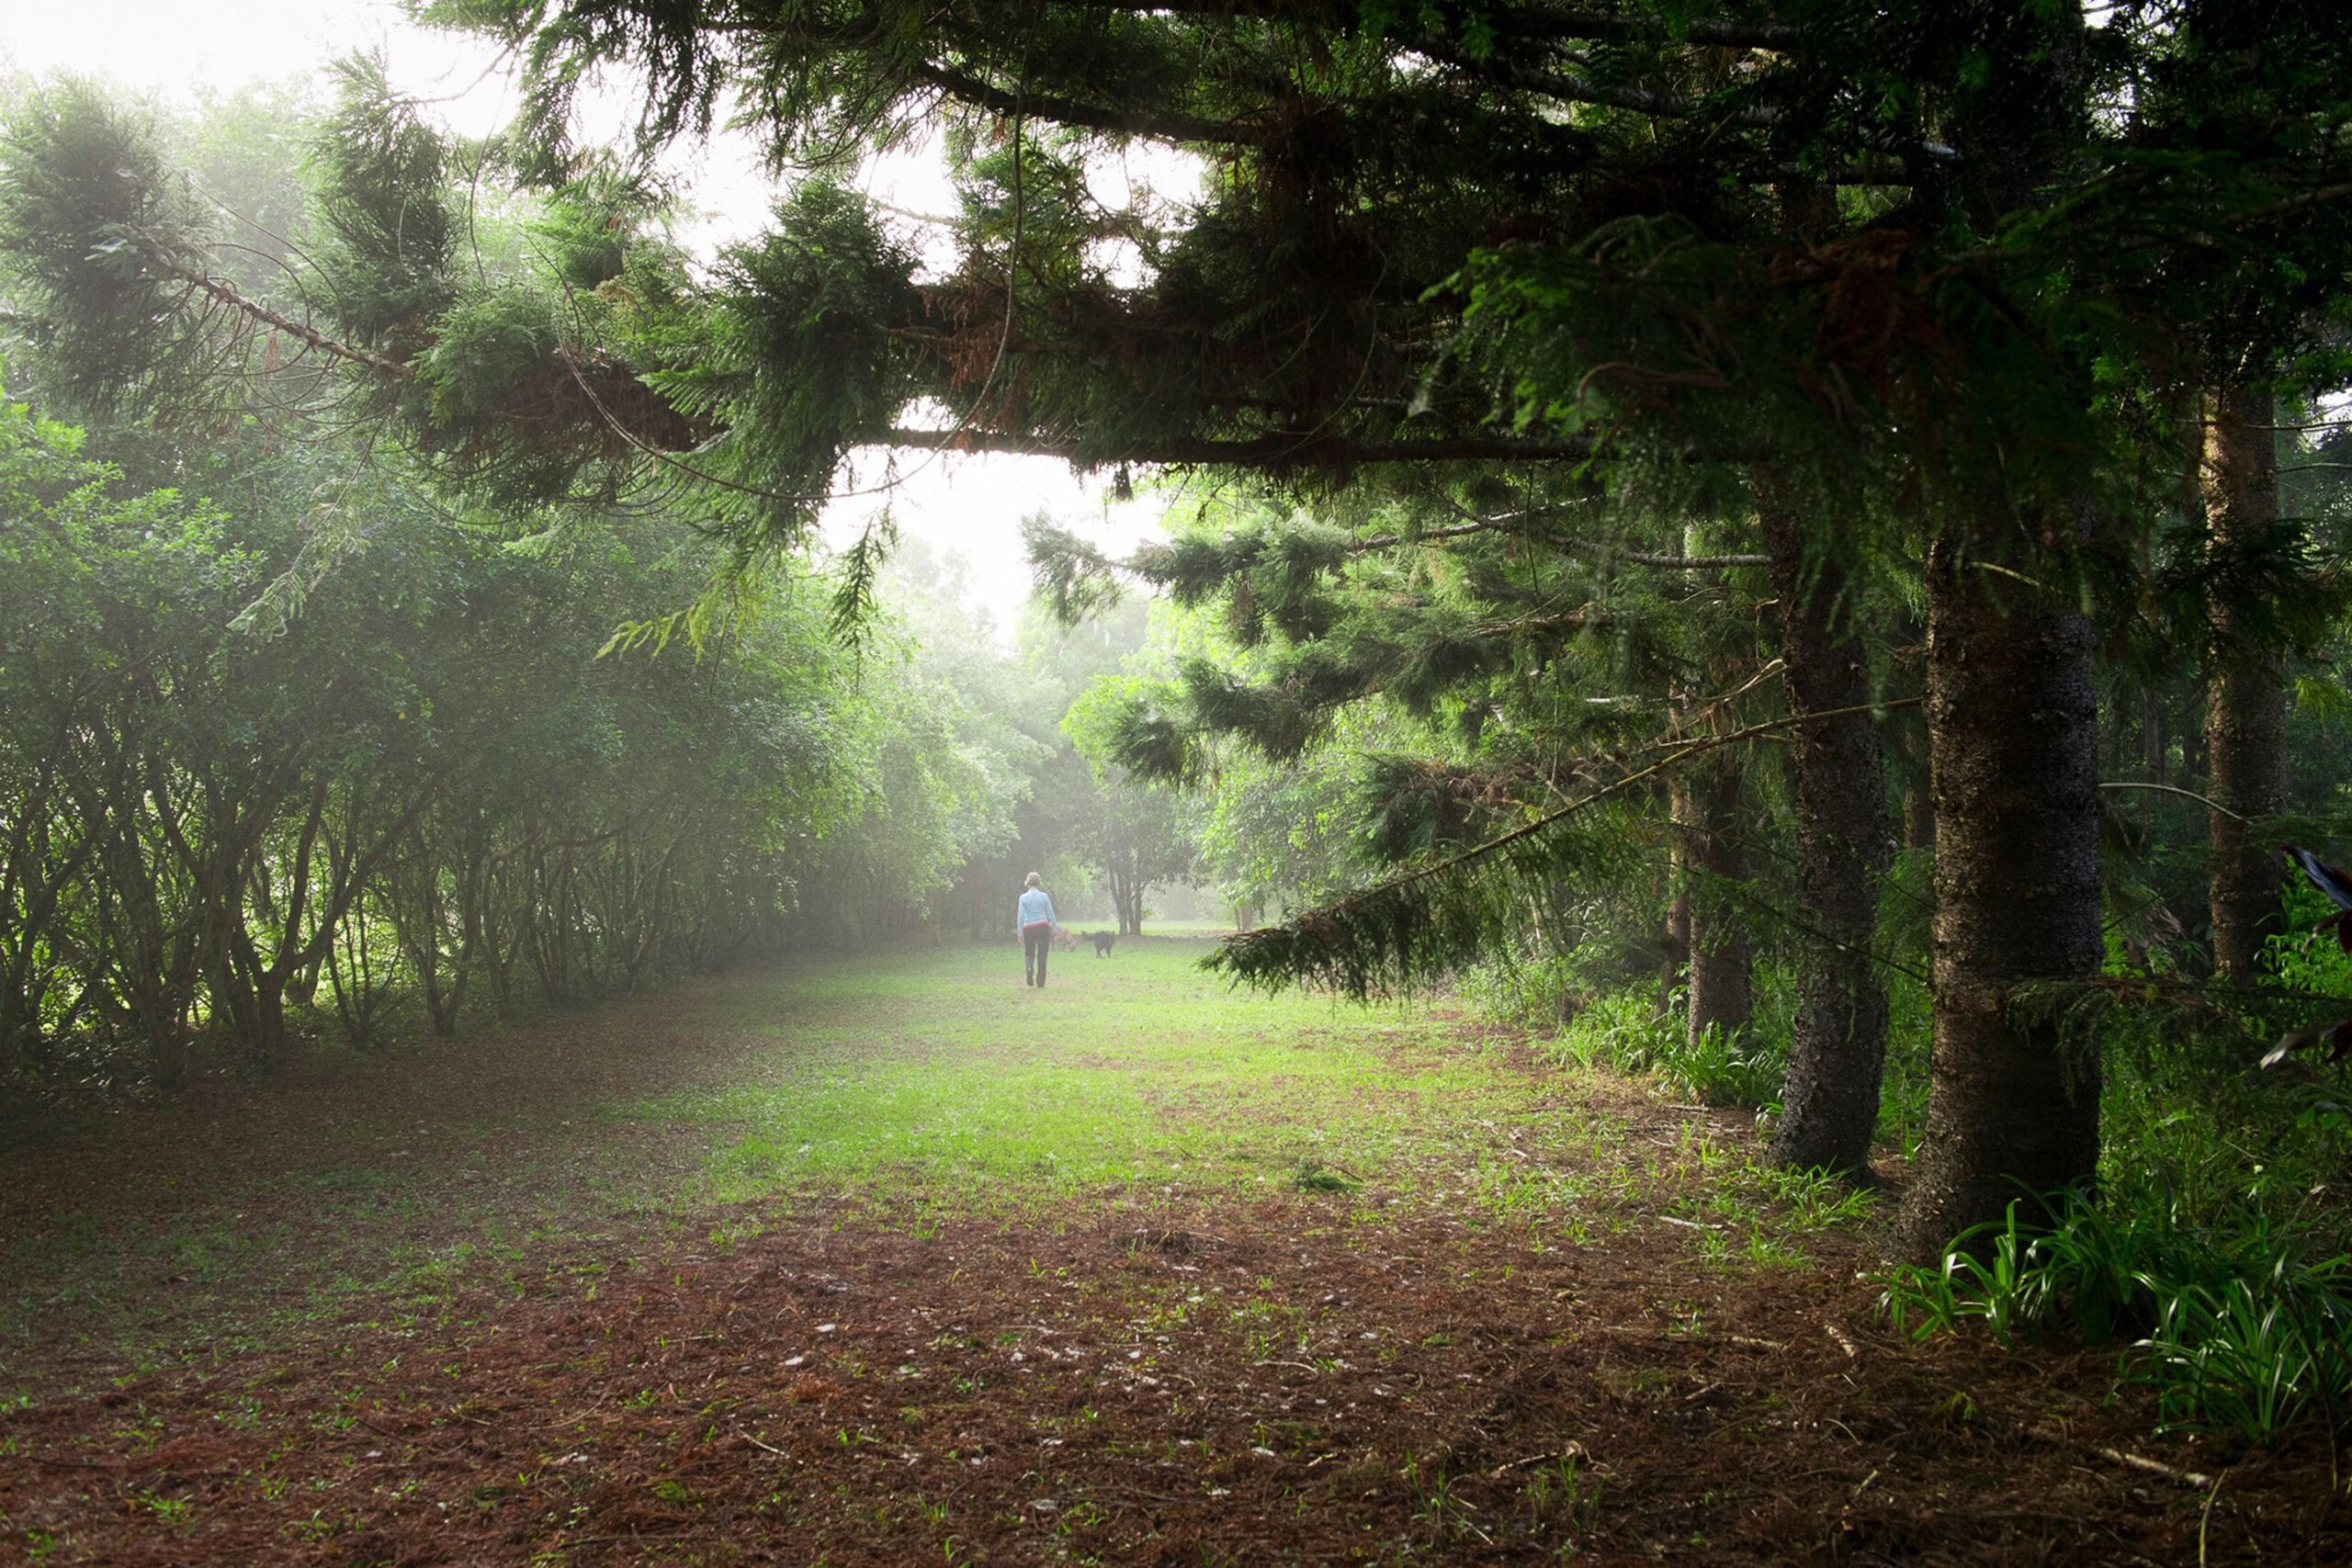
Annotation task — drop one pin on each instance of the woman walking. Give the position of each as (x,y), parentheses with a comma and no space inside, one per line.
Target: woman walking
(1034,915)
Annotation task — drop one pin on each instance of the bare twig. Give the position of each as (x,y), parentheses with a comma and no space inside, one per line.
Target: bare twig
(254,309)
(1574,1451)
(2175,789)
(2190,1478)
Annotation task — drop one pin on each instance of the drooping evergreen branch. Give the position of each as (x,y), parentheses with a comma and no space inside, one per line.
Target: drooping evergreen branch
(1644,27)
(1566,87)
(1159,125)
(1370,940)
(1303,450)
(254,309)
(1079,580)
(1503,525)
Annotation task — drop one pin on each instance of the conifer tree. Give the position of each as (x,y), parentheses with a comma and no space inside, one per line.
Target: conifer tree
(2245,698)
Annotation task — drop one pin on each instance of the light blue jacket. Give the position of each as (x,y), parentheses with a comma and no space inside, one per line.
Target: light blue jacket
(1034,907)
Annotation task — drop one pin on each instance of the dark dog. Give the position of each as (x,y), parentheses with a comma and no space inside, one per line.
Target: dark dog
(1103,941)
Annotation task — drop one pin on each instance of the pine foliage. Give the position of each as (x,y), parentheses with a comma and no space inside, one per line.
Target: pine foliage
(386,223)
(105,245)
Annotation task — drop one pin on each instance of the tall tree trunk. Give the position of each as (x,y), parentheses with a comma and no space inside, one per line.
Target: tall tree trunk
(2013,716)
(1675,938)
(2156,748)
(1919,818)
(2245,707)
(1721,994)
(1837,1056)
(167,1050)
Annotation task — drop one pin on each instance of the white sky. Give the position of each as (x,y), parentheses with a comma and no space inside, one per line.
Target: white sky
(177,50)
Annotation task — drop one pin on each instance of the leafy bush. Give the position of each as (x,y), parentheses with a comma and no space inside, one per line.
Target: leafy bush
(2299,956)
(2000,1287)
(1524,993)
(1739,1067)
(1903,1094)
(1623,1029)
(2242,1329)
(2251,1359)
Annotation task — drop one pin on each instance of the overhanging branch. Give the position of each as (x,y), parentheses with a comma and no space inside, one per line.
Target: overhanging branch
(1300,451)
(1232,956)
(1513,23)
(254,310)
(1176,127)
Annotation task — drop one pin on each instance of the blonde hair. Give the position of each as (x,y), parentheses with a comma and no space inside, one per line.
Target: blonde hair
(1031,880)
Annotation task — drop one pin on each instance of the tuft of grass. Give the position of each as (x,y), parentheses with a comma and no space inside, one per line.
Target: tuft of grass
(1563,1492)
(1437,1506)
(1313,1176)
(1623,1031)
(1814,1200)
(1596,1020)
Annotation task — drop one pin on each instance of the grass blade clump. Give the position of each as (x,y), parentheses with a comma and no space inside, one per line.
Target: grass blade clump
(2242,1330)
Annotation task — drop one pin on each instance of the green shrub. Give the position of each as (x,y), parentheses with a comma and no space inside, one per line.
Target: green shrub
(1522,993)
(1622,1028)
(1990,1273)
(2302,957)
(2242,1329)
(2252,1358)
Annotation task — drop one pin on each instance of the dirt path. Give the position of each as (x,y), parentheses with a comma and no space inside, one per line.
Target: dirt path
(1326,1289)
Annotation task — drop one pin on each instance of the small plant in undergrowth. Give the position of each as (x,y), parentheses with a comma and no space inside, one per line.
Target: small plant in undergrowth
(2239,1329)
(1436,1506)
(1311,1175)
(1625,1031)
(1985,1274)
(1816,1201)
(1902,1089)
(1562,1490)
(1734,1067)
(2299,954)
(2251,1359)
(1620,1029)
(1535,993)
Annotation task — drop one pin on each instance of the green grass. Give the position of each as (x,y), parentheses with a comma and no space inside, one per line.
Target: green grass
(949,1082)
(909,1087)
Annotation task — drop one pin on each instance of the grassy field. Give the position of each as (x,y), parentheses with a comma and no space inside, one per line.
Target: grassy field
(921,1085)
(1134,1076)
(891,1259)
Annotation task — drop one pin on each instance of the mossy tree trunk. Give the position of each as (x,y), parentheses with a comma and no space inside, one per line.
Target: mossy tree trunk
(1674,935)
(1722,991)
